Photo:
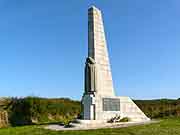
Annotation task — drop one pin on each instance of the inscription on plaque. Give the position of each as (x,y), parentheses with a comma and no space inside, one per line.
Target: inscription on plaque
(111,104)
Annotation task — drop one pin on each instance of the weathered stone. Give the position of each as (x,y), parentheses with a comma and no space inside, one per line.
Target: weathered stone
(99,101)
(90,76)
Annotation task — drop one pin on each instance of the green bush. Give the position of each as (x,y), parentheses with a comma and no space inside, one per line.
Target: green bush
(34,110)
(160,108)
(125,119)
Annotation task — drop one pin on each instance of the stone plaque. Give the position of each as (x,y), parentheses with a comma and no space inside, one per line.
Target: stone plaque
(111,104)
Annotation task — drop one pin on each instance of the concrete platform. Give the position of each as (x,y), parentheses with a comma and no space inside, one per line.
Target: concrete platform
(95,124)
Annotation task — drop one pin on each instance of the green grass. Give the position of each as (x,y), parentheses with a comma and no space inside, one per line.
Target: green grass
(164,127)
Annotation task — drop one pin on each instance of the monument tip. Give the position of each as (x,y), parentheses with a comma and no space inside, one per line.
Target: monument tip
(93,7)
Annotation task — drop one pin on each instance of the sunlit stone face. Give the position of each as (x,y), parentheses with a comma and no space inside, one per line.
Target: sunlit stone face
(99,101)
(97,49)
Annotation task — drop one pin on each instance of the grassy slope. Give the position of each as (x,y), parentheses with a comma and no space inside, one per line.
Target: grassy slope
(165,127)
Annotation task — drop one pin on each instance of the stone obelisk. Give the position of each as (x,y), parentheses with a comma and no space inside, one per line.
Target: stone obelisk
(97,49)
(99,101)
(98,78)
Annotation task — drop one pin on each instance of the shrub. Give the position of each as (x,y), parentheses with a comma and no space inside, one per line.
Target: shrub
(125,119)
(114,119)
(34,110)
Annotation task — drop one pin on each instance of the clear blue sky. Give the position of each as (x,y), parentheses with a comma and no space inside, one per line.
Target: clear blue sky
(43,46)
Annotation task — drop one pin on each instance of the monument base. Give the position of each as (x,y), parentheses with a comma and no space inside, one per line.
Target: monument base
(104,108)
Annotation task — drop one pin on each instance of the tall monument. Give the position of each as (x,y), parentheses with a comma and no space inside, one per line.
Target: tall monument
(99,101)
(97,49)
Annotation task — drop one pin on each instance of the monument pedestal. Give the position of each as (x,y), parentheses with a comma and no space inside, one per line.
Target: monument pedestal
(103,108)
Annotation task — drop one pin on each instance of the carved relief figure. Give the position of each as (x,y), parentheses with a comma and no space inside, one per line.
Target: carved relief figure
(90,75)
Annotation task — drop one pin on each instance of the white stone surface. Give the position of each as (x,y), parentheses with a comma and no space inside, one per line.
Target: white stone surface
(127,109)
(93,102)
(97,49)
